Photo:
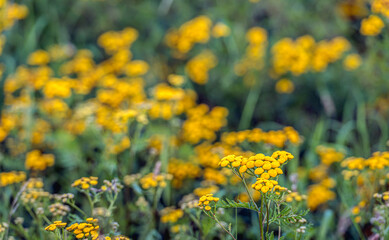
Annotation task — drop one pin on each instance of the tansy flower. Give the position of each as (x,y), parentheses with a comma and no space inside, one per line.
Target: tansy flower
(352,62)
(220,30)
(284,86)
(371,26)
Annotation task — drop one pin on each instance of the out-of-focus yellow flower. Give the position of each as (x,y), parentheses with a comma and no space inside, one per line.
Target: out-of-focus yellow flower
(171,215)
(194,31)
(199,66)
(284,86)
(380,6)
(176,80)
(352,62)
(371,26)
(35,160)
(39,57)
(8,178)
(220,30)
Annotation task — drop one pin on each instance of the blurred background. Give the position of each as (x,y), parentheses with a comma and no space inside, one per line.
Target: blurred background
(320,67)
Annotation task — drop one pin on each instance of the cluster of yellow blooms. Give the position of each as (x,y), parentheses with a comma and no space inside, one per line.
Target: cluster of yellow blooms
(264,185)
(7,124)
(294,196)
(207,201)
(194,31)
(170,101)
(85,182)
(255,51)
(9,13)
(215,176)
(8,178)
(370,174)
(57,224)
(203,124)
(37,161)
(305,54)
(113,42)
(371,26)
(181,170)
(329,155)
(320,193)
(257,135)
(152,181)
(34,192)
(199,66)
(380,6)
(171,215)
(244,197)
(378,161)
(355,211)
(265,167)
(208,188)
(123,144)
(85,229)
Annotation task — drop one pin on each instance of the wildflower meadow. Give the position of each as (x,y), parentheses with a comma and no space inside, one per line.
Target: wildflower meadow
(185,120)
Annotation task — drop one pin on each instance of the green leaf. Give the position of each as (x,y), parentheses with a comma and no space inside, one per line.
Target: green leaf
(227,203)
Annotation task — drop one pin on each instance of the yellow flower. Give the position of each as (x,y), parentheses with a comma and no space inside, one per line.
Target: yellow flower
(352,62)
(220,30)
(199,66)
(171,215)
(284,86)
(39,57)
(371,26)
(37,161)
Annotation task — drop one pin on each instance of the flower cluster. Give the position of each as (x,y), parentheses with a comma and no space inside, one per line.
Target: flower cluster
(304,54)
(171,215)
(199,66)
(194,31)
(328,155)
(152,181)
(277,138)
(295,196)
(264,166)
(8,178)
(371,26)
(34,192)
(207,201)
(181,170)
(263,185)
(37,161)
(255,52)
(85,229)
(170,101)
(59,209)
(55,225)
(320,193)
(85,182)
(203,124)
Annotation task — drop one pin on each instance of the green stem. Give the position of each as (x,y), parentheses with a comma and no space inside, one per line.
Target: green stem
(260,217)
(215,218)
(91,203)
(77,208)
(249,107)
(268,215)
